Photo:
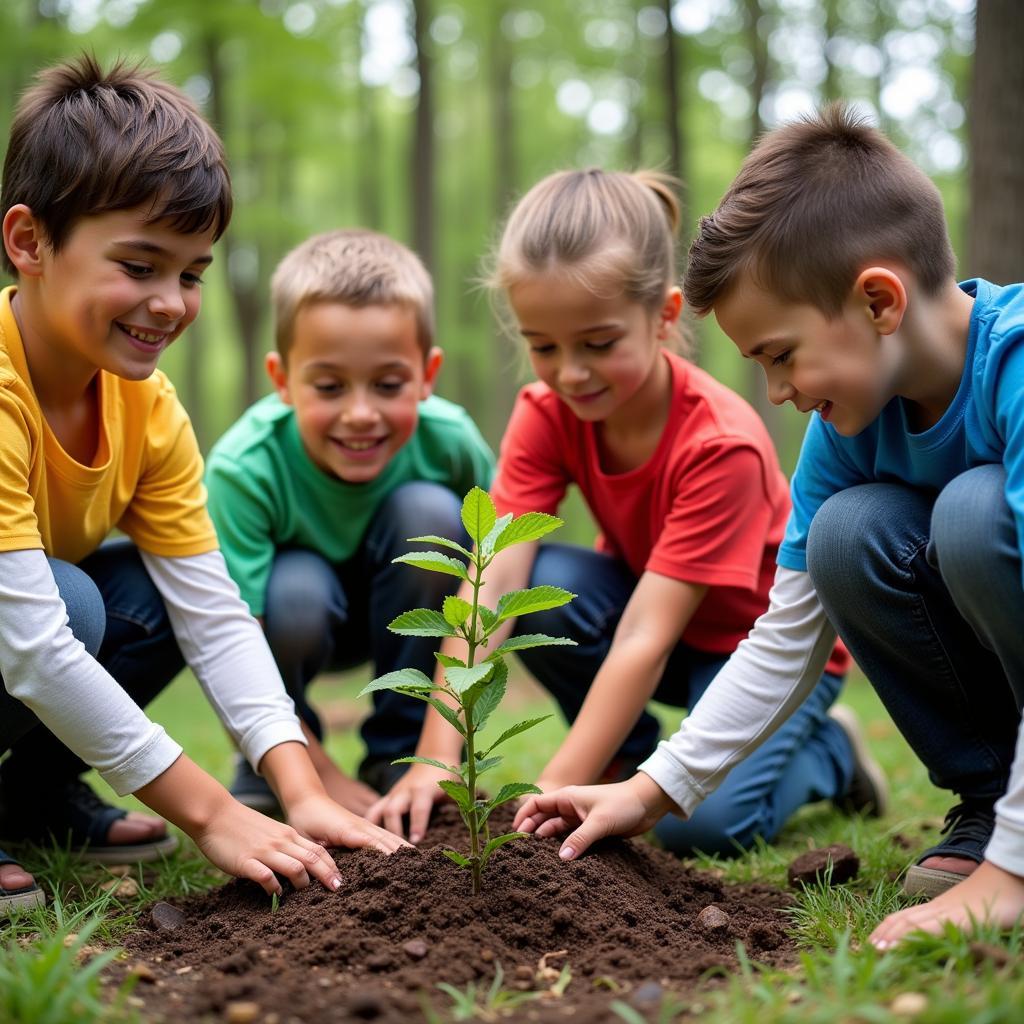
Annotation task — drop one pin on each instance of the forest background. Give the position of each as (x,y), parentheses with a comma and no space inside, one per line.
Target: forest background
(427,118)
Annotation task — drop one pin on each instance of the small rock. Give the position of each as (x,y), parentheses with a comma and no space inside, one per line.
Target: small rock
(184,970)
(379,962)
(166,918)
(123,888)
(241,1013)
(523,973)
(909,1004)
(487,955)
(813,866)
(713,920)
(143,972)
(650,993)
(415,949)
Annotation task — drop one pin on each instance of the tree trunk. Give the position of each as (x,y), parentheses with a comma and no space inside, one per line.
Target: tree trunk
(995,236)
(422,181)
(670,87)
(369,184)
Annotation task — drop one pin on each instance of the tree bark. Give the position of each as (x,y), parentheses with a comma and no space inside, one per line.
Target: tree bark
(670,85)
(422,181)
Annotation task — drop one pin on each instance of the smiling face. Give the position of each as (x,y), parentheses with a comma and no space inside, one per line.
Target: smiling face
(598,353)
(355,377)
(842,367)
(114,296)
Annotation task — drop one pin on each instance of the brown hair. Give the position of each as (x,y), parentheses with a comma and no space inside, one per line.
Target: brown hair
(814,203)
(598,226)
(357,268)
(84,142)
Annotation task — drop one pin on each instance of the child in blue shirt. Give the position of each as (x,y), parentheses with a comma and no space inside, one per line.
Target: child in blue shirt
(828,262)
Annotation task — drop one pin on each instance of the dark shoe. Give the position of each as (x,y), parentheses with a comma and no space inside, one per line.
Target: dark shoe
(968,829)
(18,899)
(253,790)
(72,814)
(868,792)
(379,773)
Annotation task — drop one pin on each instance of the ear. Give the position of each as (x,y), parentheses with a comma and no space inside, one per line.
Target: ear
(435,357)
(277,371)
(668,316)
(24,240)
(882,295)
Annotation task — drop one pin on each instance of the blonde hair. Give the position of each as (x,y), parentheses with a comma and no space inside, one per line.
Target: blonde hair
(603,228)
(354,267)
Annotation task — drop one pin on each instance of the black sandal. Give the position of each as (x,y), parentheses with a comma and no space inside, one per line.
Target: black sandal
(25,898)
(73,814)
(968,828)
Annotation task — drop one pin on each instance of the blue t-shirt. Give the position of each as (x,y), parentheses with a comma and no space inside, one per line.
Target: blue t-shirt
(983,424)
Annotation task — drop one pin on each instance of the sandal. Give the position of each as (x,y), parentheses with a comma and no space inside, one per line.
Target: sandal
(25,898)
(968,828)
(73,814)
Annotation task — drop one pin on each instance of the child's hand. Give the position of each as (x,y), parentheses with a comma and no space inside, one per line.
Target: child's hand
(415,794)
(327,822)
(352,794)
(595,812)
(989,894)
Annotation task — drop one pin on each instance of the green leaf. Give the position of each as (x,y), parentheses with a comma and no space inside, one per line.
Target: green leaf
(456,611)
(483,764)
(499,841)
(422,622)
(530,526)
(459,793)
(488,619)
(448,661)
(516,729)
(447,713)
(478,514)
(487,544)
(404,678)
(463,862)
(511,791)
(461,679)
(533,599)
(435,562)
(443,542)
(491,695)
(427,760)
(521,643)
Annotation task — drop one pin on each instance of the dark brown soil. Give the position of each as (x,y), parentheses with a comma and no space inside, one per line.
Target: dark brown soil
(625,917)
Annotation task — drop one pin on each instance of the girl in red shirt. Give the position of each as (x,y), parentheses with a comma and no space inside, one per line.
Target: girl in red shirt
(682,478)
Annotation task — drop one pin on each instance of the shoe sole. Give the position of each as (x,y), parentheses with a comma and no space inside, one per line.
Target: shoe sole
(28,900)
(141,853)
(847,720)
(930,882)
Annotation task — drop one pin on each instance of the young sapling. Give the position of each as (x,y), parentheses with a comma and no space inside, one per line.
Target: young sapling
(475,686)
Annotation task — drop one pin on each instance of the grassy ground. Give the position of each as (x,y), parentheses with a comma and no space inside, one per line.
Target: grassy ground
(48,961)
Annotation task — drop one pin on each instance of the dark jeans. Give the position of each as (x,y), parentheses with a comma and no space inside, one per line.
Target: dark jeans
(321,616)
(807,759)
(926,591)
(115,610)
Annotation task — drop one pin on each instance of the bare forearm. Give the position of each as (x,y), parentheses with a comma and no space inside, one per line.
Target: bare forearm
(185,795)
(291,773)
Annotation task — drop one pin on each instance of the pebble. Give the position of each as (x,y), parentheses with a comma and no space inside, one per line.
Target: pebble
(143,972)
(812,867)
(415,949)
(909,1004)
(241,1013)
(523,973)
(713,920)
(648,994)
(487,955)
(123,888)
(166,918)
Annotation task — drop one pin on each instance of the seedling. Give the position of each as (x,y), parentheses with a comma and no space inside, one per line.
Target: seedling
(475,686)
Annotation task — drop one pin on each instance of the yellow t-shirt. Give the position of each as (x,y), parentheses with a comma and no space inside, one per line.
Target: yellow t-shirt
(145,479)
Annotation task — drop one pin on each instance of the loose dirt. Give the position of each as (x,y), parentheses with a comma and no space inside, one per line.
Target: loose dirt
(627,916)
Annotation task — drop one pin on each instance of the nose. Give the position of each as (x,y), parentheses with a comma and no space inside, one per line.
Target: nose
(168,301)
(780,390)
(359,411)
(572,373)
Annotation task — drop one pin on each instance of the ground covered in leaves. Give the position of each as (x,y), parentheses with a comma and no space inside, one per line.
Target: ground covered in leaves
(626,922)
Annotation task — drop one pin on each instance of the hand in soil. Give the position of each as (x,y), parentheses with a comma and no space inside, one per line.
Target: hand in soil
(990,894)
(594,812)
(415,794)
(352,794)
(250,845)
(320,818)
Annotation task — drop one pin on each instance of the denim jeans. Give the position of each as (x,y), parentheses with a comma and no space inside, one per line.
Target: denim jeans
(808,759)
(926,591)
(321,616)
(117,613)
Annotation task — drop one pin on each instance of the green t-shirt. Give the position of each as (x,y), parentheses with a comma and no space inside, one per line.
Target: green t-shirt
(266,493)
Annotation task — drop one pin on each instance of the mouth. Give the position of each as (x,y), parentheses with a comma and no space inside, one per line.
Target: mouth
(590,396)
(145,339)
(360,447)
(823,409)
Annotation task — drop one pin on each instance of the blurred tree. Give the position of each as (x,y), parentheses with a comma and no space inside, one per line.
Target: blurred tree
(421,166)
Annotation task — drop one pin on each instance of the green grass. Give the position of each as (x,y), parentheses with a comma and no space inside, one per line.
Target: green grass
(840,979)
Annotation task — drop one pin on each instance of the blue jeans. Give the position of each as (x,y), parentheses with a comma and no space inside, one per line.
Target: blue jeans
(808,759)
(321,616)
(117,613)
(926,591)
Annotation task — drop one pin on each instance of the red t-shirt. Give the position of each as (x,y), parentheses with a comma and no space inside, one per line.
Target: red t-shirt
(709,506)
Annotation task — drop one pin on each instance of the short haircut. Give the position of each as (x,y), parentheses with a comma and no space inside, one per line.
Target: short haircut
(815,202)
(85,142)
(356,268)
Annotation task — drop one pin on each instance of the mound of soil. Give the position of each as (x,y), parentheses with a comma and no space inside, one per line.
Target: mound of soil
(623,918)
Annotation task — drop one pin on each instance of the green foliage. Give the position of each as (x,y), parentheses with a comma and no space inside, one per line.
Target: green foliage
(475,688)
(476,1002)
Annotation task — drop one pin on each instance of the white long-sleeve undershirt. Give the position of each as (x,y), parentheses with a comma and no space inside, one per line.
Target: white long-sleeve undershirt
(760,686)
(46,668)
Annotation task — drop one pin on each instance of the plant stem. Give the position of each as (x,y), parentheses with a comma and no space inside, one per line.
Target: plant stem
(467,712)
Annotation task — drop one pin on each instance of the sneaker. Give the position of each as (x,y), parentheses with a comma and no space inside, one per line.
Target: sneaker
(868,792)
(968,828)
(379,773)
(253,790)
